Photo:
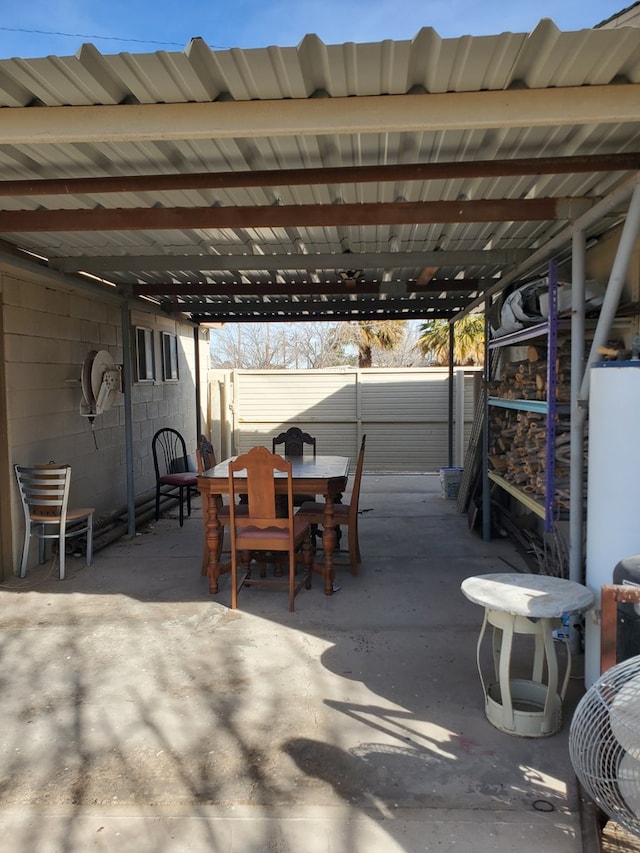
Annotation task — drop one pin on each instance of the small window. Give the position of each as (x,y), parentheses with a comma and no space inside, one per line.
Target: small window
(144,355)
(169,356)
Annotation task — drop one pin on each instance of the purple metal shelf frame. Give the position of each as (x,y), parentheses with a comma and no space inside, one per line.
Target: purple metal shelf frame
(552,405)
(550,329)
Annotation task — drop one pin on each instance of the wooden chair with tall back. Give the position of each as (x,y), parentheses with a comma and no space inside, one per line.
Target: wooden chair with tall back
(344,514)
(293,442)
(171,463)
(205,455)
(44,491)
(262,528)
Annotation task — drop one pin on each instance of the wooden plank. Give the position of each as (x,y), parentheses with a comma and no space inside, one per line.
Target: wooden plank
(611,596)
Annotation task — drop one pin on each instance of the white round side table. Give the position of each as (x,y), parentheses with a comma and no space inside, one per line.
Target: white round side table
(532,605)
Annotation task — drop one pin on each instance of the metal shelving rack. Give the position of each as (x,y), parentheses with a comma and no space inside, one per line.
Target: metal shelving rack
(548,407)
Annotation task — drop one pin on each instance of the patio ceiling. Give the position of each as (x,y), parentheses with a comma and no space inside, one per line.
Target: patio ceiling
(357,181)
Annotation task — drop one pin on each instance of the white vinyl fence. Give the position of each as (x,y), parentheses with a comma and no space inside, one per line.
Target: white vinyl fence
(403,412)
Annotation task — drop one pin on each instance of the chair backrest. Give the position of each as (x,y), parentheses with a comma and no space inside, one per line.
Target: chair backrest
(259,485)
(205,455)
(169,452)
(44,489)
(294,440)
(355,491)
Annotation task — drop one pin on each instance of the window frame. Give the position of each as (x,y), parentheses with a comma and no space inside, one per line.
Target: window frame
(169,350)
(145,355)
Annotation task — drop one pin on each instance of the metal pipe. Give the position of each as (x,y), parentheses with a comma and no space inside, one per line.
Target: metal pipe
(576,469)
(127,365)
(486,497)
(113,528)
(552,404)
(450,397)
(460,382)
(198,379)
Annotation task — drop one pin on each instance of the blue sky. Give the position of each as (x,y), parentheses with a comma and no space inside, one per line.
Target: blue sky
(30,28)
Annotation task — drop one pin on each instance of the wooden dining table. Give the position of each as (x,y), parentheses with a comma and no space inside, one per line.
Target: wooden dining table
(319,475)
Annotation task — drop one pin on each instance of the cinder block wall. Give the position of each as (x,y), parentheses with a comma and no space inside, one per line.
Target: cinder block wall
(165,404)
(48,330)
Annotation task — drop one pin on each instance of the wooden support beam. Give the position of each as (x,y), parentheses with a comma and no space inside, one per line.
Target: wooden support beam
(325,175)
(282,216)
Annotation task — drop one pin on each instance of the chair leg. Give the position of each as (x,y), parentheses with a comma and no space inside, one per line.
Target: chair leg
(244,560)
(89,559)
(245,563)
(25,552)
(234,580)
(261,558)
(354,555)
(157,502)
(62,551)
(181,499)
(278,559)
(42,542)
(292,580)
(307,558)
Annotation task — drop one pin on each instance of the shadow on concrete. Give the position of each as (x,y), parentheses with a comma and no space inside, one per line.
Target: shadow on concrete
(143,714)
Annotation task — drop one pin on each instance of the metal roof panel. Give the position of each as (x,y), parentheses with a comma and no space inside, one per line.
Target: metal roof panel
(544,59)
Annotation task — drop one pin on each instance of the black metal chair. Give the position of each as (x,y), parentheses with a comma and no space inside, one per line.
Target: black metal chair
(171,463)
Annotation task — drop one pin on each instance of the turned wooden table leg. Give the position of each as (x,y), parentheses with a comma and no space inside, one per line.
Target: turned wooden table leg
(213,530)
(328,544)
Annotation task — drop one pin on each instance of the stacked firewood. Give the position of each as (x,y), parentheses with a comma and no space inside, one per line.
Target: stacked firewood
(518,439)
(527,379)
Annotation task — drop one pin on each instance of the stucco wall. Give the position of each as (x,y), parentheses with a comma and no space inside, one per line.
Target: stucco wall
(48,330)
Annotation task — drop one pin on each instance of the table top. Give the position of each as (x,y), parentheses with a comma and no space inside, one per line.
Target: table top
(302,468)
(537,596)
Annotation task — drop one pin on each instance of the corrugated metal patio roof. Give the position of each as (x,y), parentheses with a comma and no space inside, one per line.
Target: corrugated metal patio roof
(390,179)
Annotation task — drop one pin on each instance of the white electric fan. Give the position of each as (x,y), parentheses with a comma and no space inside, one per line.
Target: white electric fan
(604,743)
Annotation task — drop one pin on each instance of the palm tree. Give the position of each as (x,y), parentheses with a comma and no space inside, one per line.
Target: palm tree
(366,335)
(468,346)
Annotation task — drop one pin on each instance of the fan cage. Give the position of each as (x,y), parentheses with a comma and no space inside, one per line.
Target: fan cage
(604,743)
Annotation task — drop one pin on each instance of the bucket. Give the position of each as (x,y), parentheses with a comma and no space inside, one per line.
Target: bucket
(450,482)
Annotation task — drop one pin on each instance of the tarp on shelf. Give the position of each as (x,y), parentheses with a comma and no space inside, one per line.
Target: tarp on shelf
(528,304)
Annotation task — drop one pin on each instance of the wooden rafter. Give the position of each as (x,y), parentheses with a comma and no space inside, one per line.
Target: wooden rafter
(282,216)
(324,175)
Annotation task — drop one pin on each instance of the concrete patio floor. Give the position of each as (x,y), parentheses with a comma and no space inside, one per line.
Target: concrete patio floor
(142,714)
